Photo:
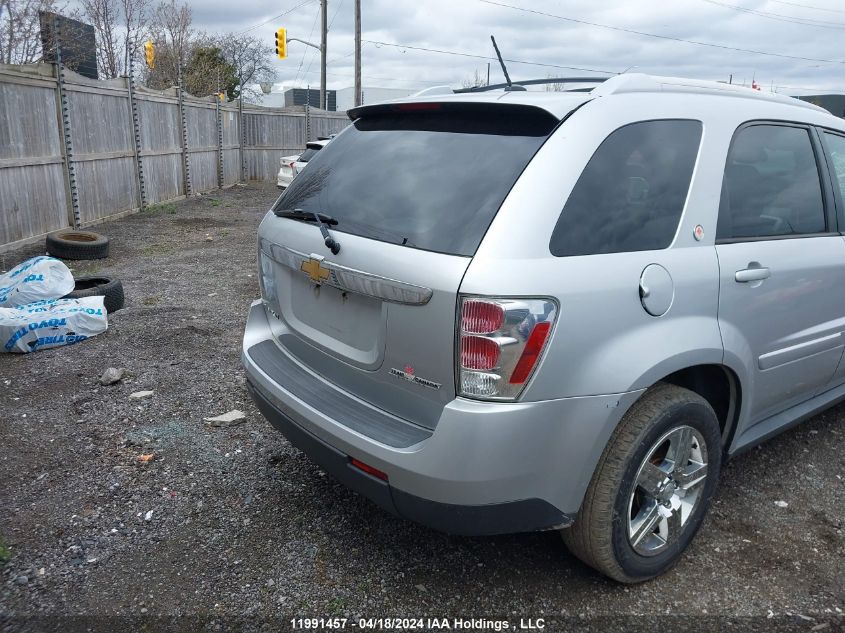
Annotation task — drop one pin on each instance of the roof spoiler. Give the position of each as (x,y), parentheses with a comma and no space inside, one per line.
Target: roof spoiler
(418,107)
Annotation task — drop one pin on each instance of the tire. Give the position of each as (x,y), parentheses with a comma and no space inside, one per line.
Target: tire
(110,289)
(605,534)
(73,244)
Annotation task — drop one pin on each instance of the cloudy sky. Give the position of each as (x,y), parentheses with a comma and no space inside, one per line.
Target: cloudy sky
(802,39)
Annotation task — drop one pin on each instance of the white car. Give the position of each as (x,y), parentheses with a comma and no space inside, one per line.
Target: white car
(290,166)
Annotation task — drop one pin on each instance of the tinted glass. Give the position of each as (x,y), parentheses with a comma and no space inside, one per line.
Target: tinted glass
(632,192)
(771,185)
(307,155)
(836,149)
(427,180)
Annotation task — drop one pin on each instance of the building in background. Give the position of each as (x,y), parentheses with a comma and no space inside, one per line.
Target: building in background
(341,100)
(346,96)
(299,96)
(835,104)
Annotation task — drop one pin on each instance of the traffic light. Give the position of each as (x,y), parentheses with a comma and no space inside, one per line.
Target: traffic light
(150,54)
(281,43)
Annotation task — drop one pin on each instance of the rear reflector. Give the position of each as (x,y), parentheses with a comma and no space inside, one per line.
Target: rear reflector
(531,353)
(370,470)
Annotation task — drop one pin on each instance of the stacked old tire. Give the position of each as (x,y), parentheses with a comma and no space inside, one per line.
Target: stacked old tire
(74,244)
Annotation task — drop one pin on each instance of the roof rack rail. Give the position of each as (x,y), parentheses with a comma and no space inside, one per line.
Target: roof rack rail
(536,82)
(638,82)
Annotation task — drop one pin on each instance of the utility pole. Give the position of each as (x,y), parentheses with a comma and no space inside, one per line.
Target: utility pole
(324,33)
(359,100)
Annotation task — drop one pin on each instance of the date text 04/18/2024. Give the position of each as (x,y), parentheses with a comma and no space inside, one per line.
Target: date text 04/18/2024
(424,624)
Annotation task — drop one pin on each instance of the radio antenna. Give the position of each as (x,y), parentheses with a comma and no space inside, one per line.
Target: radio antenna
(510,85)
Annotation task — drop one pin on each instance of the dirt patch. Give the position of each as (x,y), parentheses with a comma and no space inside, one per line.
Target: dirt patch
(231,522)
(202,223)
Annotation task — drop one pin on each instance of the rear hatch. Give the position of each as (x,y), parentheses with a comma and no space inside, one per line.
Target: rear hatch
(407,191)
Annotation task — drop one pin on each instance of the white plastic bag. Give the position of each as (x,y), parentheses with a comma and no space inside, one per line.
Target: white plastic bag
(52,323)
(35,279)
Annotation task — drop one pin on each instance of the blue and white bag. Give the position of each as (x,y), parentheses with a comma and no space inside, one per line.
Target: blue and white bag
(35,279)
(51,323)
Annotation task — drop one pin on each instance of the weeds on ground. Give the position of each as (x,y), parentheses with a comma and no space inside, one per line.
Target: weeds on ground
(336,606)
(5,552)
(151,300)
(160,209)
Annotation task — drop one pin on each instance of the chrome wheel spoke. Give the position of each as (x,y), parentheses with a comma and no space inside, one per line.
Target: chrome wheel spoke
(667,490)
(690,477)
(680,447)
(651,479)
(673,526)
(644,523)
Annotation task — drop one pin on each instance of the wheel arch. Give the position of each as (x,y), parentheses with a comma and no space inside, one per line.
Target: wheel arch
(720,386)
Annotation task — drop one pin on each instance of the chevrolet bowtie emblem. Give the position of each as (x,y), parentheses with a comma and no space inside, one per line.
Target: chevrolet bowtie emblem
(313,267)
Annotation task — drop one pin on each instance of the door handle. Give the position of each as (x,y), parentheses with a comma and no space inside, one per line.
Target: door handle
(752,274)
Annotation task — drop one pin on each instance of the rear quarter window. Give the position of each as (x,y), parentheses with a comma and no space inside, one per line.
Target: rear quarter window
(631,193)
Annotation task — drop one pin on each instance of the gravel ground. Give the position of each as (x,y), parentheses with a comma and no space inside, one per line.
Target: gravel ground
(230,527)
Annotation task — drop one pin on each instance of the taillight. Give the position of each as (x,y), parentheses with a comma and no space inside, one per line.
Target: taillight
(479,352)
(501,342)
(481,317)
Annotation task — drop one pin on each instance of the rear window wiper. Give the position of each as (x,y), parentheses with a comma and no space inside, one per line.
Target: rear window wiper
(306,216)
(312,216)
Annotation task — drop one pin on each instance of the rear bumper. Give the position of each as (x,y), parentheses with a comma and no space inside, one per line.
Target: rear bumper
(487,468)
(497,518)
(283,180)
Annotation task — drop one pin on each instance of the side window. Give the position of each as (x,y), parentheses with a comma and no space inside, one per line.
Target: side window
(836,149)
(771,185)
(631,194)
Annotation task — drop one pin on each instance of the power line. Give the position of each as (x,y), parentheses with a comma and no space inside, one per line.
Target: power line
(410,81)
(305,49)
(336,11)
(462,54)
(662,37)
(825,24)
(275,17)
(807,6)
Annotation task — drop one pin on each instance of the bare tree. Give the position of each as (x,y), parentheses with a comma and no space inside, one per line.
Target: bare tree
(120,25)
(476,80)
(250,57)
(135,14)
(20,33)
(104,16)
(175,40)
(553,87)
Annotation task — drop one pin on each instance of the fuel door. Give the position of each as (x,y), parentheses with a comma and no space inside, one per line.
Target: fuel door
(656,290)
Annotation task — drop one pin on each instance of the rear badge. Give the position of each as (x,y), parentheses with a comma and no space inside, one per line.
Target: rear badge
(313,267)
(409,375)
(698,232)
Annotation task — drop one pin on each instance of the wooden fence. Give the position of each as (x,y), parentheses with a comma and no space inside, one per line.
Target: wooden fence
(76,151)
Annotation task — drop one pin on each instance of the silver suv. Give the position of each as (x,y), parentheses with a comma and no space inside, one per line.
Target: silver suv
(509,311)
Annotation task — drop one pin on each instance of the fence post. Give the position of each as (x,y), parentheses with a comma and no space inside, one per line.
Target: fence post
(219,112)
(136,130)
(64,117)
(242,136)
(186,163)
(308,116)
